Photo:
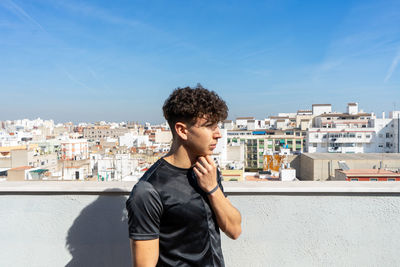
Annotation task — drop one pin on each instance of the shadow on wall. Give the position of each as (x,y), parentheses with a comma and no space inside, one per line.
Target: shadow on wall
(99,235)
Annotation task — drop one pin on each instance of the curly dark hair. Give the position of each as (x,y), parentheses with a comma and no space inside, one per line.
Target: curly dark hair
(187,104)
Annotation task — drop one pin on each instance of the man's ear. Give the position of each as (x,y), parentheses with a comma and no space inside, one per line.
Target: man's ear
(181,130)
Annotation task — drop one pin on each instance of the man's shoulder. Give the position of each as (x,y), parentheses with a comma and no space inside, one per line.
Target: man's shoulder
(152,171)
(146,187)
(154,177)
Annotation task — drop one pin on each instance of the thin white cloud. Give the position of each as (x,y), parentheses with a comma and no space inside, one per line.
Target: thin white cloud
(96,77)
(91,71)
(21,13)
(260,72)
(73,79)
(100,14)
(393,66)
(325,68)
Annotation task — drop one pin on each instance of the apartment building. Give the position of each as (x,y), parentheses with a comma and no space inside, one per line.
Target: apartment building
(103,131)
(74,149)
(264,142)
(353,132)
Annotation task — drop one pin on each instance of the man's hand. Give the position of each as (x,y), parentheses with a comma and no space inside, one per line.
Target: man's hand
(206,172)
(228,217)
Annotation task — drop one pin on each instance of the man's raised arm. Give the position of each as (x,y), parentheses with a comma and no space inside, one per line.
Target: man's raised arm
(228,217)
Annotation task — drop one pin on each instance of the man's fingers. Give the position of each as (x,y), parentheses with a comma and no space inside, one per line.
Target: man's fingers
(200,167)
(204,162)
(197,172)
(210,160)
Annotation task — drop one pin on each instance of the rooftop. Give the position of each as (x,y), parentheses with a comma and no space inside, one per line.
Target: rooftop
(356,156)
(245,118)
(370,172)
(320,105)
(344,115)
(20,168)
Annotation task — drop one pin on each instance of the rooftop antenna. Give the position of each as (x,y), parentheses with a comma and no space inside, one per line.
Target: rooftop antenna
(342,165)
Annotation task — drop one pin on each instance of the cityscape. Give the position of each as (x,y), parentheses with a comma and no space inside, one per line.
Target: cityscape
(309,153)
(351,145)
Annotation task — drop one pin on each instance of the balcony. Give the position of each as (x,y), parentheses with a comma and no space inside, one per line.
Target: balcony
(284,224)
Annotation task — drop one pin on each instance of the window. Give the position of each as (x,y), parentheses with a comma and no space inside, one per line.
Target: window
(391,180)
(316,135)
(354,179)
(373,180)
(380,135)
(387,135)
(314,144)
(368,136)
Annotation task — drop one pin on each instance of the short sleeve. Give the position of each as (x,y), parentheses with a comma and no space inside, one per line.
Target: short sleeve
(144,208)
(219,180)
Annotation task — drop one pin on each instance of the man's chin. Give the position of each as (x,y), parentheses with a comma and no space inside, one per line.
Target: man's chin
(208,153)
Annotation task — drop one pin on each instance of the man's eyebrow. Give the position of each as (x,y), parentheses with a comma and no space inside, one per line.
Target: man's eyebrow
(209,123)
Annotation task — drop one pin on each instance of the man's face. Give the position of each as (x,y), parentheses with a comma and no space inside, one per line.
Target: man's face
(202,137)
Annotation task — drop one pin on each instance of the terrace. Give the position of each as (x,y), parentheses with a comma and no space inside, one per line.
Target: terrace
(284,224)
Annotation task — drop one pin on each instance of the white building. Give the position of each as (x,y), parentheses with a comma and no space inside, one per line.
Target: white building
(115,167)
(318,109)
(163,136)
(241,122)
(133,140)
(74,149)
(353,132)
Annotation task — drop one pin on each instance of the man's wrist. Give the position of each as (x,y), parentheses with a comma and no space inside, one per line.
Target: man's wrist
(213,190)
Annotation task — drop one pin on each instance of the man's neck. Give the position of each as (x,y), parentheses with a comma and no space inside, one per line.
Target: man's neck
(179,157)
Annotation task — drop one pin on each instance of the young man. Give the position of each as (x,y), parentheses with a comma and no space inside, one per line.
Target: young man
(176,209)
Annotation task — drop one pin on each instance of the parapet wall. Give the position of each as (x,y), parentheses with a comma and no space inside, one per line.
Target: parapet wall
(284,224)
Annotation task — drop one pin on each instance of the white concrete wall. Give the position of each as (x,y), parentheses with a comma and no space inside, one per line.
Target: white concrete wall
(164,137)
(284,224)
(352,109)
(318,110)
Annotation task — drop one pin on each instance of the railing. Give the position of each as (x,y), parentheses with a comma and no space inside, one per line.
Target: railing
(284,224)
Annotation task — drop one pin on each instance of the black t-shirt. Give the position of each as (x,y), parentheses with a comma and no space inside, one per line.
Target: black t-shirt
(168,204)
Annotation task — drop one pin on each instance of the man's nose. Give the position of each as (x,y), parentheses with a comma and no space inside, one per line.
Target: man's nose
(217,133)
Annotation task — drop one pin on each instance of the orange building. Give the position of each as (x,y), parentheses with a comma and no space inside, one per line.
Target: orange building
(367,175)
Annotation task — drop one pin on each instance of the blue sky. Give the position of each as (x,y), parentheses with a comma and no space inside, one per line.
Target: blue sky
(72,60)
